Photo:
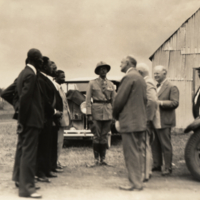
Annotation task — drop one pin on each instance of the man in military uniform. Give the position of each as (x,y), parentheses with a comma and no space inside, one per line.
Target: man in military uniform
(102,92)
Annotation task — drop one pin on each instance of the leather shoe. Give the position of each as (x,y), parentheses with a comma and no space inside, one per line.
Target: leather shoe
(166,172)
(57,170)
(35,195)
(51,175)
(17,185)
(130,188)
(44,179)
(156,169)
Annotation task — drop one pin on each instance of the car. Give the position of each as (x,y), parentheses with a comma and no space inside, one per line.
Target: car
(80,127)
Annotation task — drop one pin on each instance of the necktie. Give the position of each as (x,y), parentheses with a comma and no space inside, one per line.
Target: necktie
(158,85)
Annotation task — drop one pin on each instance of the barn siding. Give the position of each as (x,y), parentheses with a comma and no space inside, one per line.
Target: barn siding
(180,54)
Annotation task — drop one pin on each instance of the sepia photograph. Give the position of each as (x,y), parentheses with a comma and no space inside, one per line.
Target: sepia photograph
(100,99)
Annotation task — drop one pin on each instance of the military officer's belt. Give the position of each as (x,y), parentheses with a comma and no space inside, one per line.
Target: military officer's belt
(99,101)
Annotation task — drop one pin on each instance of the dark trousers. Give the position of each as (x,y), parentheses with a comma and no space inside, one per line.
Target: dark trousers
(44,150)
(25,160)
(54,153)
(101,131)
(132,148)
(162,148)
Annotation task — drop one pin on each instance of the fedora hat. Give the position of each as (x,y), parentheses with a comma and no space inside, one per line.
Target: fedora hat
(101,64)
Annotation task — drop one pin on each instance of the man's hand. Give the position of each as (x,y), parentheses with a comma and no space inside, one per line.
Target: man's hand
(150,125)
(58,114)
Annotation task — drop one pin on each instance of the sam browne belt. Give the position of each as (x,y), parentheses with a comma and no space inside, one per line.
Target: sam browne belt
(100,101)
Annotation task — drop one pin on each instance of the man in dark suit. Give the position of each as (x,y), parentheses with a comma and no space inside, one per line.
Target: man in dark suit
(168,99)
(44,164)
(196,99)
(130,109)
(11,96)
(30,123)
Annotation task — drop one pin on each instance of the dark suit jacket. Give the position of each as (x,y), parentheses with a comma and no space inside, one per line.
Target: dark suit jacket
(196,104)
(48,95)
(30,101)
(130,103)
(169,95)
(11,96)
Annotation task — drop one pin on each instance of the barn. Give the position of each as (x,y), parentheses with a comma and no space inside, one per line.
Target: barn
(180,54)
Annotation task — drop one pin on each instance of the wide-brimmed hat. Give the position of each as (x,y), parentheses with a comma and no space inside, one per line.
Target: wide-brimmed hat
(101,64)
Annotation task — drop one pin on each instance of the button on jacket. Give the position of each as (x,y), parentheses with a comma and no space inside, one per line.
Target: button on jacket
(100,111)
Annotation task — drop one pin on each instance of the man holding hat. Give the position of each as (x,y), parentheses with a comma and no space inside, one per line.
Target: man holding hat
(102,92)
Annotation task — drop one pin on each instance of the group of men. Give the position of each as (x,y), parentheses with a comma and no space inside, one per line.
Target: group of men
(144,115)
(42,112)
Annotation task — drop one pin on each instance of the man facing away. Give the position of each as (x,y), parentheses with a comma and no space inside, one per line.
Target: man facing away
(102,91)
(152,110)
(30,123)
(65,119)
(168,99)
(130,110)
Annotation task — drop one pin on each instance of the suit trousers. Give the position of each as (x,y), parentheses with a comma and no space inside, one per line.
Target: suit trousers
(25,160)
(147,155)
(54,154)
(60,141)
(101,131)
(132,148)
(44,150)
(162,148)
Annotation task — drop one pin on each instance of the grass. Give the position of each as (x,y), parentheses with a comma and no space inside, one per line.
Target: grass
(79,152)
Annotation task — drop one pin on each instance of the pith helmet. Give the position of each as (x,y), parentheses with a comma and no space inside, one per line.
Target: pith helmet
(101,64)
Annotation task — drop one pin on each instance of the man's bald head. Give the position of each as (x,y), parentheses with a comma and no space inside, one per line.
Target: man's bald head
(143,69)
(160,73)
(34,57)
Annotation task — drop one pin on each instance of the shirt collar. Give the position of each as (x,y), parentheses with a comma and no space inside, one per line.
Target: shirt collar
(163,81)
(146,77)
(129,70)
(32,67)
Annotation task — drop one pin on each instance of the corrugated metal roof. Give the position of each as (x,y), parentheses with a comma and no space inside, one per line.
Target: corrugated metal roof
(175,42)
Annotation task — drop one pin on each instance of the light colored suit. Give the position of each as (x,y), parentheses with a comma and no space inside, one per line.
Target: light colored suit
(130,109)
(152,110)
(169,97)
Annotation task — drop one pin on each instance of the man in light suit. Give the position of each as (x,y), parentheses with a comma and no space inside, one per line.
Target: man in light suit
(152,118)
(168,99)
(30,123)
(130,110)
(65,119)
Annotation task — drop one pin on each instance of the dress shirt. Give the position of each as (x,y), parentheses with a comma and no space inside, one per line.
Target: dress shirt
(32,67)
(158,88)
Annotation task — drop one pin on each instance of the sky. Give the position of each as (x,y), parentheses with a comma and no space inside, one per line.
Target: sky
(77,34)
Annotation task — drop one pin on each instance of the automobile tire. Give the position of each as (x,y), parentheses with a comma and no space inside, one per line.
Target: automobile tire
(192,154)
(109,141)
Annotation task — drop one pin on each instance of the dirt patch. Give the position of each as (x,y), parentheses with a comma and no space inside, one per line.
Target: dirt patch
(80,182)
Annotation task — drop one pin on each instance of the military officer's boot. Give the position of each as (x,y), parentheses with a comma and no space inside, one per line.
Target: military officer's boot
(103,148)
(96,150)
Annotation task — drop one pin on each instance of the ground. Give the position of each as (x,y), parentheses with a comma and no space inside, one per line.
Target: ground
(80,182)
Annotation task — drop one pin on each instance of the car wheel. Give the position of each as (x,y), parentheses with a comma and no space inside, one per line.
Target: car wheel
(192,154)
